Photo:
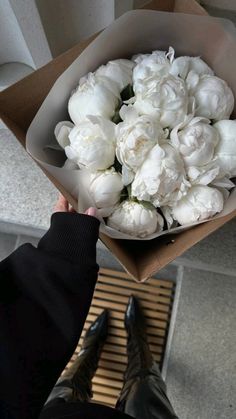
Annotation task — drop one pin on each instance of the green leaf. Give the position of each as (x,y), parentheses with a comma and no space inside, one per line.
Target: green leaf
(127,93)
(147,205)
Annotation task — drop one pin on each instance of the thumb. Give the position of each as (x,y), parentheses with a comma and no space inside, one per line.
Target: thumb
(91,211)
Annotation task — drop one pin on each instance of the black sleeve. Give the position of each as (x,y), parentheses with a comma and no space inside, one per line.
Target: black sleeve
(45,295)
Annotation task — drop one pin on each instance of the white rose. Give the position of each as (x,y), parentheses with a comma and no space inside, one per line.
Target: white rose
(195,140)
(213,97)
(161,178)
(92,144)
(226,149)
(118,71)
(105,188)
(134,219)
(165,98)
(135,138)
(94,96)
(62,131)
(181,66)
(200,203)
(154,65)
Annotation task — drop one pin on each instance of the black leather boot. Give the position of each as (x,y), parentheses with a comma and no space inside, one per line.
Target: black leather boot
(144,392)
(76,383)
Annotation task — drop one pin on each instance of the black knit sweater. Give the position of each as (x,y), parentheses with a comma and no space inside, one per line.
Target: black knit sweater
(45,294)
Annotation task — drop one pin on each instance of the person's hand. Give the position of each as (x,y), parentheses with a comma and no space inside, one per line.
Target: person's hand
(63,205)
(91,211)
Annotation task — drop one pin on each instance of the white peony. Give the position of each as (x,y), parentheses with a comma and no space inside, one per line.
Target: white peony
(134,219)
(195,140)
(70,165)
(161,178)
(105,188)
(62,131)
(148,66)
(165,98)
(213,97)
(135,138)
(118,71)
(200,203)
(92,144)
(203,175)
(94,96)
(226,149)
(181,66)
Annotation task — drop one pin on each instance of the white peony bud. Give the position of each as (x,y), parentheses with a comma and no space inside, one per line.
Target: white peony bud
(181,66)
(200,203)
(94,96)
(118,71)
(165,98)
(152,65)
(213,97)
(134,219)
(62,131)
(92,144)
(105,188)
(226,149)
(195,140)
(135,138)
(161,178)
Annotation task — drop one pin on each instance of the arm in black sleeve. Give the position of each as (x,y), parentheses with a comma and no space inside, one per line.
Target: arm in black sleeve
(45,295)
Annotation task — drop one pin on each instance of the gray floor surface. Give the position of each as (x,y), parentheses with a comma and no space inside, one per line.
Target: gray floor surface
(201,374)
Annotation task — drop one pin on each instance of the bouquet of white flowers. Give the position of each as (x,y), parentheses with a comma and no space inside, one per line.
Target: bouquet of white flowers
(153,139)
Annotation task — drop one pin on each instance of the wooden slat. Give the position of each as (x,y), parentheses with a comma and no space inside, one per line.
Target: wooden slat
(118,310)
(107,381)
(138,287)
(126,292)
(157,282)
(112,291)
(94,312)
(117,376)
(124,300)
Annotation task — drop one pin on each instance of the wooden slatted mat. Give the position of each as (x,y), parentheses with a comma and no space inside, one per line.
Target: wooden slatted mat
(112,291)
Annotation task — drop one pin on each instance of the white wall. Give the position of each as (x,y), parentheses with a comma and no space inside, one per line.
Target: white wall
(32,30)
(67,22)
(22,37)
(140,3)
(222,4)
(12,43)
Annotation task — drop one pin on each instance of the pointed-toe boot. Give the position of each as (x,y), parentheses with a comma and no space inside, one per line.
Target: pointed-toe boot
(76,383)
(139,355)
(143,395)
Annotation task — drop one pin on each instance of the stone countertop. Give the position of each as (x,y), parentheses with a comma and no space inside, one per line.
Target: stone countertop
(27,198)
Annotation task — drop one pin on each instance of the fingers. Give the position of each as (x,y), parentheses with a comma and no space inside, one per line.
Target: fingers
(62,204)
(91,211)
